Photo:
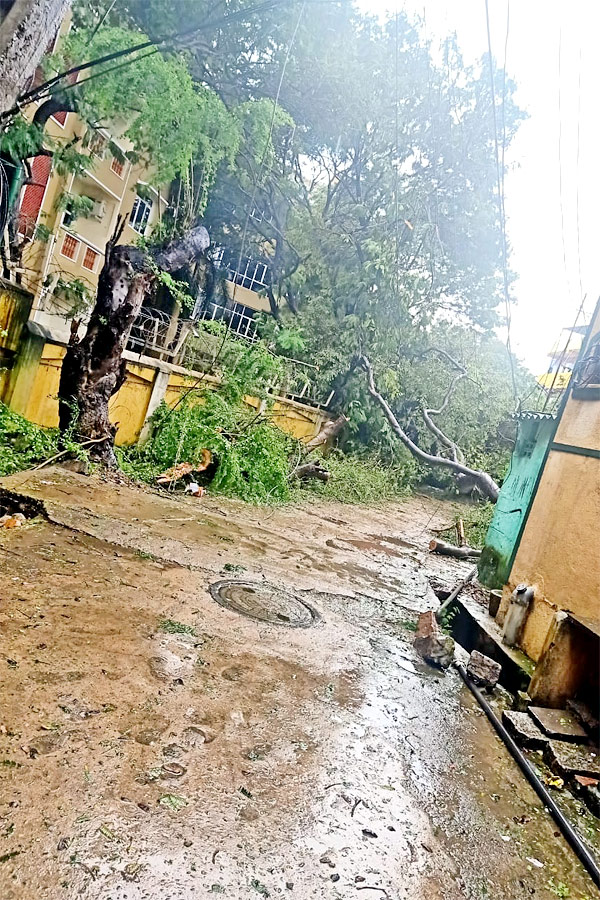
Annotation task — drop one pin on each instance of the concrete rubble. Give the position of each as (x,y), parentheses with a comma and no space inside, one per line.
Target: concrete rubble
(431,643)
(483,670)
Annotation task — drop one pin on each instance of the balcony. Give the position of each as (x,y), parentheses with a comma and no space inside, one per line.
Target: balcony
(187,343)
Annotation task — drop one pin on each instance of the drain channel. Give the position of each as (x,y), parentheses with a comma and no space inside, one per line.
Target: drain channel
(263,602)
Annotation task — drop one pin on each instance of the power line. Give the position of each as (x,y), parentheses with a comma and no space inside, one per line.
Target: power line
(39,91)
(500,184)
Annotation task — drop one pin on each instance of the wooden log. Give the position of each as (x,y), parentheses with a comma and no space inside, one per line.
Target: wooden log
(460,533)
(313,469)
(444,549)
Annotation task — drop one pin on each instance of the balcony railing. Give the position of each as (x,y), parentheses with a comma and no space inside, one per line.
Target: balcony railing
(154,333)
(247,272)
(238,318)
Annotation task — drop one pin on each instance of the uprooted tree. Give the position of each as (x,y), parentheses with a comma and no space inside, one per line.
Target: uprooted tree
(93,368)
(455,463)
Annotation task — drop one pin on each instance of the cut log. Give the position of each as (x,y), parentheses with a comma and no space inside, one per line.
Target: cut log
(313,469)
(460,533)
(444,549)
(329,430)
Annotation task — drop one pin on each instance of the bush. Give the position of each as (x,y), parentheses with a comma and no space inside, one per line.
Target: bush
(23,444)
(252,456)
(365,480)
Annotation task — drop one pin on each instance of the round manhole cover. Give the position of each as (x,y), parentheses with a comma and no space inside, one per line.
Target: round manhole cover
(263,602)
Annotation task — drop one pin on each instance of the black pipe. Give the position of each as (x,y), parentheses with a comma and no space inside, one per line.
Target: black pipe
(565,826)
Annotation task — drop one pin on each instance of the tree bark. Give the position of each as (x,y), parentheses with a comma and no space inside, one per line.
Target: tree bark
(93,369)
(329,430)
(450,550)
(482,480)
(24,36)
(312,470)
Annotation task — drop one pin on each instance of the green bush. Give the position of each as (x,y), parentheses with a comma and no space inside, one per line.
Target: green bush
(23,444)
(252,455)
(365,480)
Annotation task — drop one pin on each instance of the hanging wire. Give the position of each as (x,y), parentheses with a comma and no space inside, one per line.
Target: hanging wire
(501,207)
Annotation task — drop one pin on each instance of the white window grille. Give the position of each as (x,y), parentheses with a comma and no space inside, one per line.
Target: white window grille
(248,273)
(140,214)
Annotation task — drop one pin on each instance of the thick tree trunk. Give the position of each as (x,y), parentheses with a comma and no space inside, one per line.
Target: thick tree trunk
(482,480)
(24,36)
(93,369)
(330,429)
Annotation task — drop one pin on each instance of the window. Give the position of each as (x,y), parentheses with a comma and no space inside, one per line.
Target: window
(118,166)
(70,247)
(89,259)
(140,214)
(97,143)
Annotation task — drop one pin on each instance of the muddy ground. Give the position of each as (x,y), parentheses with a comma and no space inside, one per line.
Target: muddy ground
(239,758)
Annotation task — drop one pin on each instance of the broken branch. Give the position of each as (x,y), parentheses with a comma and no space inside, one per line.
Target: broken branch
(482,480)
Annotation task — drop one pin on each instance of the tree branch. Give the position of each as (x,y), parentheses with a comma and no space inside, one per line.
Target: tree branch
(482,480)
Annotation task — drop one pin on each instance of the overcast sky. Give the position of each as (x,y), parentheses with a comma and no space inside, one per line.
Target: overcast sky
(550,281)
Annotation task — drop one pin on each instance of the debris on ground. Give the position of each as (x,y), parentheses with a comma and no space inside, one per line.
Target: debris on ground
(483,670)
(558,723)
(569,760)
(184,470)
(523,729)
(431,643)
(444,549)
(12,521)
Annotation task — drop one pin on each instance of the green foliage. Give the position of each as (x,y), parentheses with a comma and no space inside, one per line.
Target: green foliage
(77,205)
(252,457)
(21,139)
(362,480)
(169,119)
(75,293)
(171,626)
(23,444)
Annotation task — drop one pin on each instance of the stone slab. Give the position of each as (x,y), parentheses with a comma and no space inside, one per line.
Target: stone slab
(483,670)
(586,717)
(524,730)
(558,723)
(570,759)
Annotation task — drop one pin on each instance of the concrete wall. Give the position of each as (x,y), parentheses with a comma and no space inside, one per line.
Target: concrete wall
(559,550)
(31,389)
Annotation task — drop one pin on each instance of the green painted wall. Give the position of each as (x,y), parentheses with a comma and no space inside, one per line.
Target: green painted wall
(533,438)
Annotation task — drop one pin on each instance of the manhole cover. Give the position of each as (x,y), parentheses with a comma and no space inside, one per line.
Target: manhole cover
(263,602)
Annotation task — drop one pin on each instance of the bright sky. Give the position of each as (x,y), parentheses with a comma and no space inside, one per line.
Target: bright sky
(556,255)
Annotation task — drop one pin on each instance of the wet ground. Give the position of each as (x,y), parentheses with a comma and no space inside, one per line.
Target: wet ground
(156,746)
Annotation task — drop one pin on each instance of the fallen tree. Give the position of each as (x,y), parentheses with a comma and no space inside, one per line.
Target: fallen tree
(93,368)
(480,480)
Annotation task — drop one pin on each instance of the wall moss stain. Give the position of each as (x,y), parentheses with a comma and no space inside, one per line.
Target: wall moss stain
(533,438)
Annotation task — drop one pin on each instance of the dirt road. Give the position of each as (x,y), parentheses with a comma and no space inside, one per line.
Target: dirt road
(155,745)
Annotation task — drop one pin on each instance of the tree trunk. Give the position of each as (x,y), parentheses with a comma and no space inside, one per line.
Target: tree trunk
(330,429)
(93,369)
(313,469)
(481,480)
(24,36)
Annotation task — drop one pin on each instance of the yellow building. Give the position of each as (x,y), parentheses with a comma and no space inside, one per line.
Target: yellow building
(558,550)
(60,256)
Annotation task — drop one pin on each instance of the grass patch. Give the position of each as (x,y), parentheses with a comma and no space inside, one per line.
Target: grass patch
(361,480)
(170,626)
